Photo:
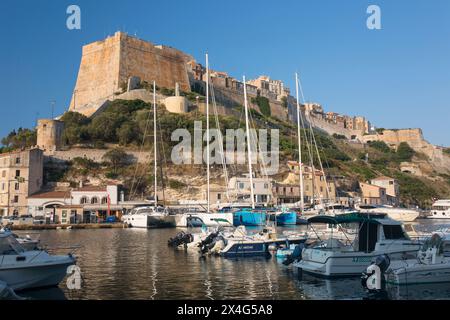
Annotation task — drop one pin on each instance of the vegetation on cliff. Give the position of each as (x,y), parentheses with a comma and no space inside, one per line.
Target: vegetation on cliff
(129,126)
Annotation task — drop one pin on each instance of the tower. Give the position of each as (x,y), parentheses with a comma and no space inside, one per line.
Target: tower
(49,134)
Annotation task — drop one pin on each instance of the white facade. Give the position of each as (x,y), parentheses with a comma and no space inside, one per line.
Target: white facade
(44,203)
(262,188)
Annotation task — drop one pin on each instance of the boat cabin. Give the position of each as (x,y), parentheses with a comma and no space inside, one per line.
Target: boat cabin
(373,231)
(9,244)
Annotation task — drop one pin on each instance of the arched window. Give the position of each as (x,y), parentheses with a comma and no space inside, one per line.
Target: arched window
(84,200)
(94,200)
(104,200)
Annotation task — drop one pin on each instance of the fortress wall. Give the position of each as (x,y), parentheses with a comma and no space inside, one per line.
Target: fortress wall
(107,64)
(415,139)
(98,76)
(92,154)
(332,128)
(151,63)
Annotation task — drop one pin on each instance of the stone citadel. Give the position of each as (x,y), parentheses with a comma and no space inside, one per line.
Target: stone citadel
(116,68)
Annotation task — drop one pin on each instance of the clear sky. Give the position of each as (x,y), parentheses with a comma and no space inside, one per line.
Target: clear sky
(398,77)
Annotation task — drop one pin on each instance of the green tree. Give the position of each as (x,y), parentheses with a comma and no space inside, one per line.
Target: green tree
(116,158)
(404,152)
(263,104)
(127,133)
(23,138)
(380,146)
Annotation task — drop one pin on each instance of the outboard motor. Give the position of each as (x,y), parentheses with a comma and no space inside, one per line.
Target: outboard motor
(180,239)
(209,242)
(372,279)
(294,256)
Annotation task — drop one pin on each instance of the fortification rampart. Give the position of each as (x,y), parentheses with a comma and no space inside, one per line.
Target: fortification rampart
(106,66)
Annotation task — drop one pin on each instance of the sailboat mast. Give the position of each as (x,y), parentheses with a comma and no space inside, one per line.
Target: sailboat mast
(207,134)
(249,152)
(302,197)
(154,143)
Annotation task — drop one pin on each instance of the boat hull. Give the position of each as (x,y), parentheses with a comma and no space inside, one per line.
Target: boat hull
(32,277)
(287,219)
(149,221)
(411,272)
(247,249)
(249,218)
(203,219)
(345,264)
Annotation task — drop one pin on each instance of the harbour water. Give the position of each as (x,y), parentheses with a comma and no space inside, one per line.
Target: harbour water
(138,264)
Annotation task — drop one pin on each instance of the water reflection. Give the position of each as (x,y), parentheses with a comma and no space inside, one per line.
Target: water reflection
(137,264)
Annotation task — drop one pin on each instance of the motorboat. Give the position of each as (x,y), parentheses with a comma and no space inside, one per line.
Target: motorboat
(440,210)
(26,242)
(149,216)
(400,214)
(241,243)
(376,235)
(244,214)
(198,219)
(327,209)
(22,269)
(430,266)
(284,217)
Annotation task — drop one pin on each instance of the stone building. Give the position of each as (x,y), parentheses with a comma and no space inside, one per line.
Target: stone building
(272,89)
(239,189)
(372,194)
(392,188)
(21,175)
(49,134)
(107,65)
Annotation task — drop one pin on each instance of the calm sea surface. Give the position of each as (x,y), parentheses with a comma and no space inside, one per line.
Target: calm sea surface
(138,264)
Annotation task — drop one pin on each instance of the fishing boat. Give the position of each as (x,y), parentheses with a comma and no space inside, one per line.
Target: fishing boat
(440,210)
(377,235)
(26,269)
(399,214)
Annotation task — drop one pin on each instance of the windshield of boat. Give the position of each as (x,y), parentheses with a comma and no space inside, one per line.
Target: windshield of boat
(394,232)
(10,246)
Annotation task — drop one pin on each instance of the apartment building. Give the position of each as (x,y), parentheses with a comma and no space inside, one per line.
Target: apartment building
(21,175)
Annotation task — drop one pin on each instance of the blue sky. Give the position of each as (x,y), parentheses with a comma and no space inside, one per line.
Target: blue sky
(398,77)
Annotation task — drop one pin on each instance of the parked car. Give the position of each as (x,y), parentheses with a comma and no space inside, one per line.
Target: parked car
(111,219)
(39,220)
(25,219)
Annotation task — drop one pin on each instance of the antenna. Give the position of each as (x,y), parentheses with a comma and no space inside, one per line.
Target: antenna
(53,102)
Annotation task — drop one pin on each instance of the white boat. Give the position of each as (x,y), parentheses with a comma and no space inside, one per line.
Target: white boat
(149,216)
(22,269)
(199,219)
(242,244)
(440,210)
(26,242)
(377,235)
(399,214)
(430,266)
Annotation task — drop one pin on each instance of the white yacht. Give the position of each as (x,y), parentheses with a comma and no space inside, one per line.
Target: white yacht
(149,216)
(377,235)
(440,210)
(27,269)
(400,214)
